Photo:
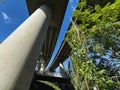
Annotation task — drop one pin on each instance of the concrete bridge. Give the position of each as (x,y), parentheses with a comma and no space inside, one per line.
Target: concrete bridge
(34,39)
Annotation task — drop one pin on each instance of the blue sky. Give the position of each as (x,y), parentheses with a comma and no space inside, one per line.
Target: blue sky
(14,12)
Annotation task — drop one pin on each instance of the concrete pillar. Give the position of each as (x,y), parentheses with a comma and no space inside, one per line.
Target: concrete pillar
(42,65)
(61,69)
(19,52)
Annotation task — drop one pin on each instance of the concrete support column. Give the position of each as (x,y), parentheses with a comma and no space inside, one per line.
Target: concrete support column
(42,65)
(19,52)
(61,69)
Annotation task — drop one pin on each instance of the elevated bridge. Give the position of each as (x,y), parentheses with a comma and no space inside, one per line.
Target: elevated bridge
(34,39)
(58,10)
(62,54)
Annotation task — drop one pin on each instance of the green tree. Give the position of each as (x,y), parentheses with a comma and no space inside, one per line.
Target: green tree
(94,37)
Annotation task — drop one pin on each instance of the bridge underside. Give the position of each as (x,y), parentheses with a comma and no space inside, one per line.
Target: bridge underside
(62,54)
(58,10)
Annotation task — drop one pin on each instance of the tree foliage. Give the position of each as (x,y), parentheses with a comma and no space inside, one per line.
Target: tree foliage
(94,37)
